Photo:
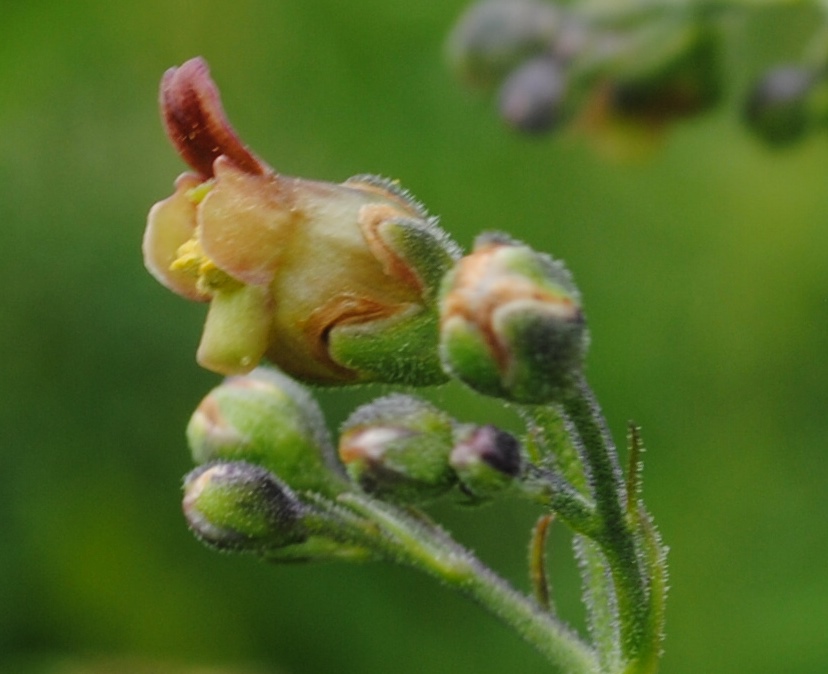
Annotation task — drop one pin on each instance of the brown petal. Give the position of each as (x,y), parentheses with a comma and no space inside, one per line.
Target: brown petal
(195,121)
(247,223)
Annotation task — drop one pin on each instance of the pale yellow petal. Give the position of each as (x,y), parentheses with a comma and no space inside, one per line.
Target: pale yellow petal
(170,224)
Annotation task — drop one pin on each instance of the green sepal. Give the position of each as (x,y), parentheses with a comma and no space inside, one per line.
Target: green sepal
(466,355)
(402,349)
(545,352)
(424,246)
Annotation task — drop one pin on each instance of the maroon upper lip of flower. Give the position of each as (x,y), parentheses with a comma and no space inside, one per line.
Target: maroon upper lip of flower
(195,121)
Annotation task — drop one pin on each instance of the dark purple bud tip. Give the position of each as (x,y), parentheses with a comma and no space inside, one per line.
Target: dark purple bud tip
(496,448)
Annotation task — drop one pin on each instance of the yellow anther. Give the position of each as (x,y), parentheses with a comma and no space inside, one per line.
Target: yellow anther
(189,258)
(192,260)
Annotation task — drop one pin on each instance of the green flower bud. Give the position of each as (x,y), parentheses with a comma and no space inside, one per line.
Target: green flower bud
(674,74)
(778,109)
(647,80)
(333,283)
(532,98)
(493,37)
(241,507)
(511,322)
(398,447)
(267,419)
(486,460)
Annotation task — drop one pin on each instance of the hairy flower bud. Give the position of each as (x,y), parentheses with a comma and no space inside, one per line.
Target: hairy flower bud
(398,448)
(779,109)
(511,322)
(241,507)
(335,284)
(494,36)
(267,419)
(486,459)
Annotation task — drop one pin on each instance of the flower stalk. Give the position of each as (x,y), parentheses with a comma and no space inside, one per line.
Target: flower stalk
(430,550)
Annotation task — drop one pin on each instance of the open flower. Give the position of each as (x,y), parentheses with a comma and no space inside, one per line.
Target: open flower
(332,283)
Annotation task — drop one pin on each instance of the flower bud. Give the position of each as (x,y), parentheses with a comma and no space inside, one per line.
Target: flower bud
(494,36)
(486,460)
(267,419)
(778,109)
(335,284)
(532,98)
(397,448)
(511,323)
(671,75)
(651,78)
(241,507)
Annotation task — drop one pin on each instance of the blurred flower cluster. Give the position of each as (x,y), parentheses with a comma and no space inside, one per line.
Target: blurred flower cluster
(621,74)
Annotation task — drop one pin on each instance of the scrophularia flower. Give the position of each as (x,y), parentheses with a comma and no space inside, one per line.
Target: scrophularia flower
(334,283)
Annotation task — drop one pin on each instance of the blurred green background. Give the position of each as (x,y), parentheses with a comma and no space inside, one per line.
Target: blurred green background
(705,277)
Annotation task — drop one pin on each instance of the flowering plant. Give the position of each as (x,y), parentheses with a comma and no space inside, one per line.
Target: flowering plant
(342,284)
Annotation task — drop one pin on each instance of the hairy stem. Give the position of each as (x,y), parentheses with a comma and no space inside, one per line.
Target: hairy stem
(616,538)
(428,548)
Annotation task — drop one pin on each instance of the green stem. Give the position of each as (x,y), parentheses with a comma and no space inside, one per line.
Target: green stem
(552,427)
(616,538)
(427,548)
(656,558)
(600,602)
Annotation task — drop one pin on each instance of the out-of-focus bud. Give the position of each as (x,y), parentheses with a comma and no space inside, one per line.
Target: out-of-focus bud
(241,507)
(532,98)
(267,419)
(779,107)
(667,72)
(398,447)
(672,76)
(511,322)
(486,459)
(335,284)
(494,36)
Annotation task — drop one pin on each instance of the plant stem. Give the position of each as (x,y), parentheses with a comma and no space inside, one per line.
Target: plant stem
(616,539)
(600,602)
(428,548)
